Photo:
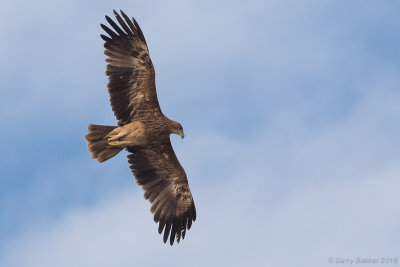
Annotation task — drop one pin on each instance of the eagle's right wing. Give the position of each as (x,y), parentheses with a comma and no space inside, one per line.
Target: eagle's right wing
(158,171)
(131,73)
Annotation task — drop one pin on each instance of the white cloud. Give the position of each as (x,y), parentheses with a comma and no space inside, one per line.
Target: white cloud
(276,200)
(356,217)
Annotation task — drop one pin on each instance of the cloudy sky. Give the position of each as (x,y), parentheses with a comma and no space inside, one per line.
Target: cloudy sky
(291,116)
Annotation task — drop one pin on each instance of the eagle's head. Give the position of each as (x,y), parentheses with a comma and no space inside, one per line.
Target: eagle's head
(176,128)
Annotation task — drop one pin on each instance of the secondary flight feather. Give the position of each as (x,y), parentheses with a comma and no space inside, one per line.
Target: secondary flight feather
(143,130)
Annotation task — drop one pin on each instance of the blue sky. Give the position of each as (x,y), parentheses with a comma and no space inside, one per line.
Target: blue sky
(291,117)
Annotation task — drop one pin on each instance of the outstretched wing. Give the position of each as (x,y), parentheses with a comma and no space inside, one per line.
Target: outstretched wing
(131,73)
(164,181)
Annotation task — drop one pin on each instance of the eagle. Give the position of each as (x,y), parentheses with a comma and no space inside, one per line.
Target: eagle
(143,130)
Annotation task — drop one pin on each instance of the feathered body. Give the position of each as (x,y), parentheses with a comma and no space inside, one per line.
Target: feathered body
(142,129)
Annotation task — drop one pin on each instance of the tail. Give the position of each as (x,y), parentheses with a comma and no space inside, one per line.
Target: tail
(98,145)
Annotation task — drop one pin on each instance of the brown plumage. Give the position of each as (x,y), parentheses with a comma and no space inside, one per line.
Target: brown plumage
(142,129)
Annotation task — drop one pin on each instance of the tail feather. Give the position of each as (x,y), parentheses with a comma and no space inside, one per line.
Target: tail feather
(98,145)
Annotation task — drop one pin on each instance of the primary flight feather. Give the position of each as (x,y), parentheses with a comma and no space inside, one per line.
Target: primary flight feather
(143,130)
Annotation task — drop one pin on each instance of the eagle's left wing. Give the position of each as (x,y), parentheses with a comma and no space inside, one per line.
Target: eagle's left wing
(164,181)
(131,73)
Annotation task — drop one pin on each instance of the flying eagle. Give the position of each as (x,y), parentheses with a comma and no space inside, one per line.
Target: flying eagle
(143,130)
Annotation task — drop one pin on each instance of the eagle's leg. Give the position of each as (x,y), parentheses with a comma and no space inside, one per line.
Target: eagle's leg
(127,135)
(116,134)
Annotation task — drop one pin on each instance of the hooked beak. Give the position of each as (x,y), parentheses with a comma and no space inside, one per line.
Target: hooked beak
(182,135)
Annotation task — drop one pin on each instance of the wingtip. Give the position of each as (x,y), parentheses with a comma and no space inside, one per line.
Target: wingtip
(183,233)
(135,22)
(165,239)
(105,38)
(161,226)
